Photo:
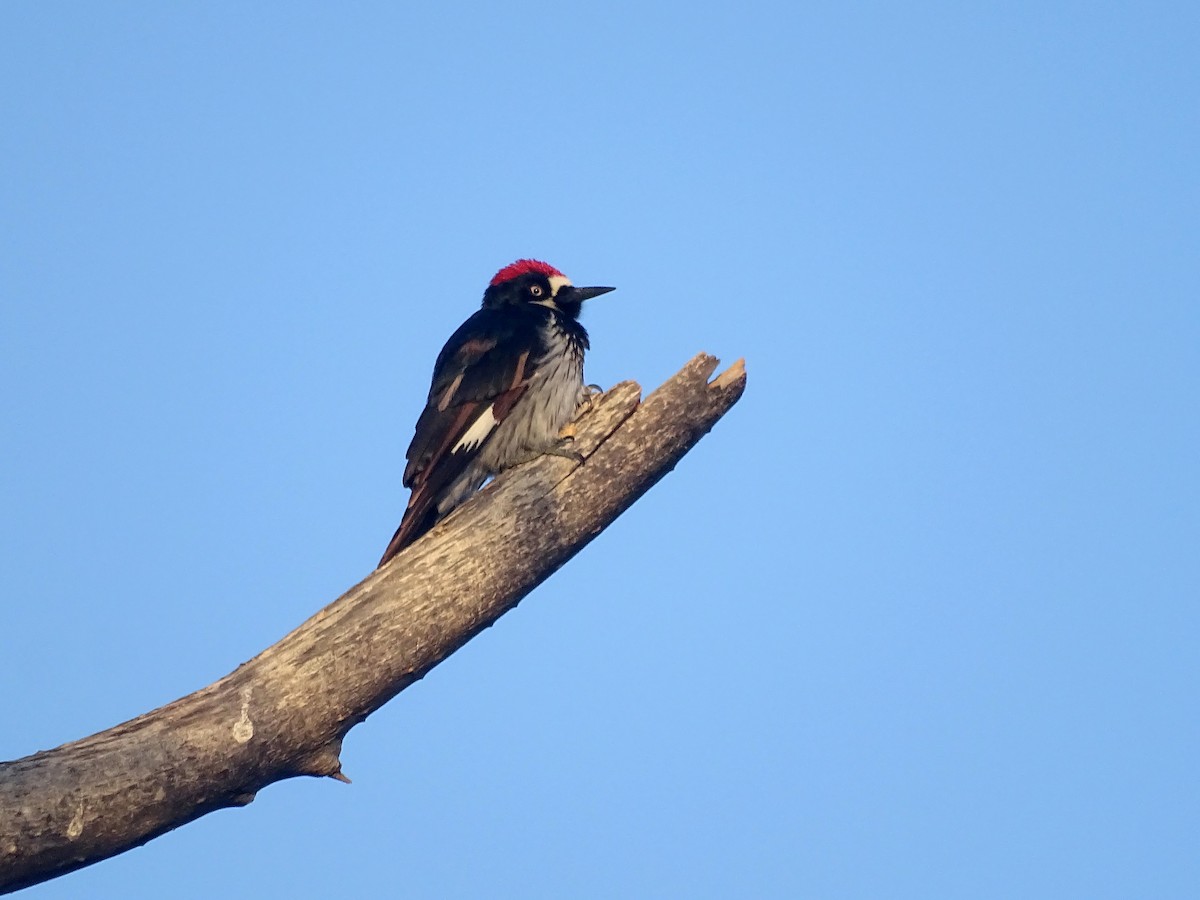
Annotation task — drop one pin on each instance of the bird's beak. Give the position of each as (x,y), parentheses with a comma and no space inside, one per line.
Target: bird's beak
(579,294)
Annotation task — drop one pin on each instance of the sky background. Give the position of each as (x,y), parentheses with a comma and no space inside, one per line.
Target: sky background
(919,618)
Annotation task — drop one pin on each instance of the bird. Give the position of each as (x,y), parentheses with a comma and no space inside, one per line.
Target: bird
(503,387)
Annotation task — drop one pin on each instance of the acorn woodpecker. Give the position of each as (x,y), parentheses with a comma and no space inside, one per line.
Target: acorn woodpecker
(503,387)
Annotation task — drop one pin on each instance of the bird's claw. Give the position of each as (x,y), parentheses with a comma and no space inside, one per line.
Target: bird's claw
(559,447)
(590,393)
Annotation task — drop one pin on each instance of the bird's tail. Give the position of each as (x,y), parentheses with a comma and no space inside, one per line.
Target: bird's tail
(434,494)
(418,519)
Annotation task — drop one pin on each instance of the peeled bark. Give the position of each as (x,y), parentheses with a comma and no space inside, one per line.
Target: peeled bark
(285,712)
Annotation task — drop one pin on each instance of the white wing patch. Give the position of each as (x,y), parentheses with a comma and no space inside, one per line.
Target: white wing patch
(478,431)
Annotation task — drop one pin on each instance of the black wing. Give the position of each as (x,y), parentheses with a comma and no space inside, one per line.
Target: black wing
(479,376)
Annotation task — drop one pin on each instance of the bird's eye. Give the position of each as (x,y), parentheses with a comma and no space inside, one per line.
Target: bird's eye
(536,290)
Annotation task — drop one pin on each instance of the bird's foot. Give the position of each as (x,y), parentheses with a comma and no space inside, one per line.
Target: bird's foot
(590,393)
(559,447)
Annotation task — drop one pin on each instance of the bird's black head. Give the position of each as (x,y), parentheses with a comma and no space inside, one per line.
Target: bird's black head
(531,281)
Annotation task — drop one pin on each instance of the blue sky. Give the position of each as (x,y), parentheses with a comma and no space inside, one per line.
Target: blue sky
(918,618)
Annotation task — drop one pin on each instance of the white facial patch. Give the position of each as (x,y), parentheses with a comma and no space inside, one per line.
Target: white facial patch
(558,281)
(478,431)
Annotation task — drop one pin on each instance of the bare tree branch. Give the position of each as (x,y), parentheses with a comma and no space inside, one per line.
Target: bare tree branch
(285,712)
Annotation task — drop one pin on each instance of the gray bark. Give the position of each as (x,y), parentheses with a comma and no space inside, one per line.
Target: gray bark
(284,713)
